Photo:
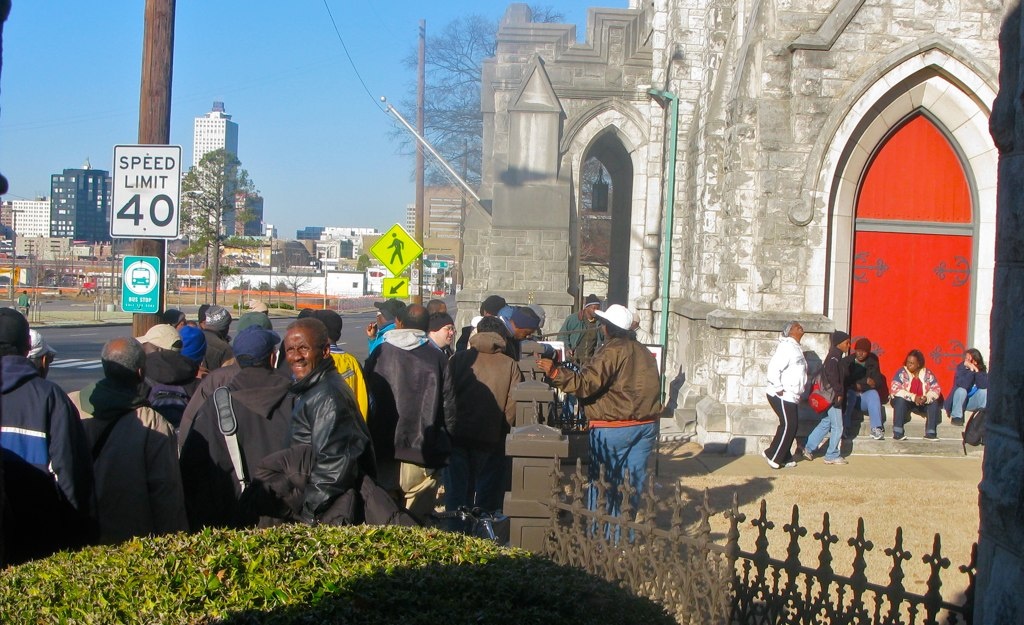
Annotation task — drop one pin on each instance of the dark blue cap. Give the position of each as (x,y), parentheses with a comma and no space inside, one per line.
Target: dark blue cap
(255,343)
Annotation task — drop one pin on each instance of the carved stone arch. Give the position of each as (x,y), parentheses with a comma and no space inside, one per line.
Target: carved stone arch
(614,128)
(950,92)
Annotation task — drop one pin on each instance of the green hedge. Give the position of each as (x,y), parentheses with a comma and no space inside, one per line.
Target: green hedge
(300,574)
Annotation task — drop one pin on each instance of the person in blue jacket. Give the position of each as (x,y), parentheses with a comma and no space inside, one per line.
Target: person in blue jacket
(386,313)
(47,463)
(970,387)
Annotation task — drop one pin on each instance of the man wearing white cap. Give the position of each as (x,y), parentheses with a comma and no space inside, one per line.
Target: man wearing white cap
(40,353)
(621,389)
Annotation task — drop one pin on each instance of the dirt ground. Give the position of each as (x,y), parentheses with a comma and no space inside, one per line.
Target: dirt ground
(924,497)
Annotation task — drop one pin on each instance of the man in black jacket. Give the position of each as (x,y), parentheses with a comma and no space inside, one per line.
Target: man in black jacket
(47,466)
(326,417)
(262,408)
(413,398)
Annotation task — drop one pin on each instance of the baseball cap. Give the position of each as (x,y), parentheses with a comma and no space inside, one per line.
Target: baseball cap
(390,308)
(253,319)
(14,329)
(256,305)
(163,336)
(255,343)
(38,345)
(617,315)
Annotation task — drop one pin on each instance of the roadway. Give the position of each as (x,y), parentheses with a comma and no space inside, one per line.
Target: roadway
(78,349)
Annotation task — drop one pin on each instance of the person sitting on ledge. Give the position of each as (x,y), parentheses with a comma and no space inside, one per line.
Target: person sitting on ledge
(970,387)
(915,389)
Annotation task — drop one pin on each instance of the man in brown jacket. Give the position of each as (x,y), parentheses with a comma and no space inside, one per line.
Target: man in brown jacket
(620,388)
(135,455)
(483,378)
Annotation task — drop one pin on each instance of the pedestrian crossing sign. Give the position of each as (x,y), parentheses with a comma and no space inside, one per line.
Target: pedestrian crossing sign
(396,249)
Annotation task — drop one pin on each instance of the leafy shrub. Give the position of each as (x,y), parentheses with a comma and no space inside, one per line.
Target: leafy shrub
(300,574)
(281,305)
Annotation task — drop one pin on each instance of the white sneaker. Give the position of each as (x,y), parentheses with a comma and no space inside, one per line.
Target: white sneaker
(774,465)
(877,433)
(790,464)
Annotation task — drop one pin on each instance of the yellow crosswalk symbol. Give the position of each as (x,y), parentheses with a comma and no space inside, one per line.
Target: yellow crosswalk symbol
(396,249)
(396,287)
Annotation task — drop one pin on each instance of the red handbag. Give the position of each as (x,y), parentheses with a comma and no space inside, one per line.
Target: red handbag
(821,397)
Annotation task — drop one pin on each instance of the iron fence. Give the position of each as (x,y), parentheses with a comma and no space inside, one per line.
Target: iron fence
(649,550)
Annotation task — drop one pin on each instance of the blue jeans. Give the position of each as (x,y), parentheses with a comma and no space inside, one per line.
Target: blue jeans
(867,401)
(474,478)
(962,403)
(901,409)
(832,424)
(618,450)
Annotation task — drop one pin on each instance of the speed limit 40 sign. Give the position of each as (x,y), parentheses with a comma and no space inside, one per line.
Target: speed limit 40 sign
(147,190)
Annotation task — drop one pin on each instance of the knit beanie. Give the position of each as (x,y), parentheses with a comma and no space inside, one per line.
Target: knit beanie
(863,343)
(838,337)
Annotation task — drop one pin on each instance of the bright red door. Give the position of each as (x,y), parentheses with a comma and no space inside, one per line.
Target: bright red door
(911,287)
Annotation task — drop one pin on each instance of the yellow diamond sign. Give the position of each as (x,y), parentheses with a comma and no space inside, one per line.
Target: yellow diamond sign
(396,249)
(396,287)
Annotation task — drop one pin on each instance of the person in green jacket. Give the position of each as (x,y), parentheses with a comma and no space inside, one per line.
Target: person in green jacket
(581,332)
(24,303)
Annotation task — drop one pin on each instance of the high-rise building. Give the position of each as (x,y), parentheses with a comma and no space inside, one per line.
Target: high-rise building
(28,218)
(214,131)
(80,204)
(252,205)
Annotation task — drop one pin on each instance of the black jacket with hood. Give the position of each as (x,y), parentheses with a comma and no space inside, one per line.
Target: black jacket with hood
(47,467)
(413,399)
(327,418)
(263,410)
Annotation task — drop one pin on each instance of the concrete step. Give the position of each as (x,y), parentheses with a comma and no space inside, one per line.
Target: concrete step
(859,441)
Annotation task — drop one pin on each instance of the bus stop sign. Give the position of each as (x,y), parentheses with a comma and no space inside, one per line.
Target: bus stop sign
(140,284)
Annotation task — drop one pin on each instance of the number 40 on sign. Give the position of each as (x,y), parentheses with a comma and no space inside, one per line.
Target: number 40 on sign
(146,191)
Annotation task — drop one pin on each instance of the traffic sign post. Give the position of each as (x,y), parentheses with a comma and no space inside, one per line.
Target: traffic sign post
(140,284)
(396,287)
(146,195)
(396,249)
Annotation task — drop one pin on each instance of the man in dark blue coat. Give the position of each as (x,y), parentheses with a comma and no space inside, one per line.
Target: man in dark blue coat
(46,458)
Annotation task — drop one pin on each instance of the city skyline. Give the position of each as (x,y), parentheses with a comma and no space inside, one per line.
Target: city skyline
(313,137)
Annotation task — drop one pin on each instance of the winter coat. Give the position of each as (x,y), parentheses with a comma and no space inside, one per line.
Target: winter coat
(263,406)
(621,383)
(834,373)
(966,379)
(376,341)
(901,382)
(217,350)
(138,484)
(858,374)
(352,373)
(326,417)
(412,400)
(483,379)
(170,367)
(787,371)
(211,382)
(47,467)
(581,337)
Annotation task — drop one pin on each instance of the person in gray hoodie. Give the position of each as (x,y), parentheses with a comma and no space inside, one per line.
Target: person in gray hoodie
(412,402)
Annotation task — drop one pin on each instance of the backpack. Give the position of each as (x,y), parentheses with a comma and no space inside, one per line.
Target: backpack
(170,401)
(974,430)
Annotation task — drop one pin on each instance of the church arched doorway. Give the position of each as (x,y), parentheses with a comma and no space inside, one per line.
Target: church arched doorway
(604,221)
(913,254)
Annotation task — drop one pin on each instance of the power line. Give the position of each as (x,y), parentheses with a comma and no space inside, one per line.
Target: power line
(350,61)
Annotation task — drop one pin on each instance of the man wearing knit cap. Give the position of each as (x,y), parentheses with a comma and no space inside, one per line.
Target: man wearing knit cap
(215,326)
(344,362)
(386,313)
(521,323)
(441,332)
(834,376)
(580,331)
(866,387)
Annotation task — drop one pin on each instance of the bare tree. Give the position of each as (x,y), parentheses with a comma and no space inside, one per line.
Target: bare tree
(453,122)
(294,278)
(208,200)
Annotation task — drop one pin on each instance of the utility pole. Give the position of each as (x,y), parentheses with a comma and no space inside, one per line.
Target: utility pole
(417,297)
(155,123)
